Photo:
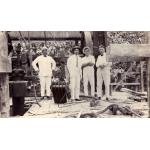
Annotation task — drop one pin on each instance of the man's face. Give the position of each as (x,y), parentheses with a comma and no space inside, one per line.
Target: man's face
(79,43)
(44,52)
(86,52)
(28,46)
(76,51)
(101,50)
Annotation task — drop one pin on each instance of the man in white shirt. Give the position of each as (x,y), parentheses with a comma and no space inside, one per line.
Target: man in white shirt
(103,73)
(88,62)
(46,65)
(74,68)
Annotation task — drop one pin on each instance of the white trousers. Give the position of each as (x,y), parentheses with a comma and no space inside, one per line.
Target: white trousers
(75,86)
(103,75)
(45,83)
(88,77)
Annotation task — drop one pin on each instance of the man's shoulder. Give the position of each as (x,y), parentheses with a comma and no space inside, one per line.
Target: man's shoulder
(39,57)
(50,57)
(71,56)
(92,56)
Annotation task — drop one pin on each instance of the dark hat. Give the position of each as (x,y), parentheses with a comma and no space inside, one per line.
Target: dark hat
(75,47)
(44,48)
(101,46)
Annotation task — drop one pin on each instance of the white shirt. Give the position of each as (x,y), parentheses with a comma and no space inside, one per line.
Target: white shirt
(46,65)
(101,60)
(74,64)
(88,59)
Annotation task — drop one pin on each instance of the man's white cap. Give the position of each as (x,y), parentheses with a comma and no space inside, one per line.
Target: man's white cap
(44,48)
(85,49)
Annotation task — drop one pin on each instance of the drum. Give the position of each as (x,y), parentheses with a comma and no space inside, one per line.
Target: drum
(59,90)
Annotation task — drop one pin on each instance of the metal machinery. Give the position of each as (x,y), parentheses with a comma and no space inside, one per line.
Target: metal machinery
(18,87)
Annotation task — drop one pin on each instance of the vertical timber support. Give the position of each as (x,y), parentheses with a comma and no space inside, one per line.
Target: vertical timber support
(142,76)
(4,95)
(5,68)
(148,76)
(148,84)
(88,40)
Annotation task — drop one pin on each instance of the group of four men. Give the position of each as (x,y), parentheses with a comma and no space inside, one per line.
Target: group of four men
(79,69)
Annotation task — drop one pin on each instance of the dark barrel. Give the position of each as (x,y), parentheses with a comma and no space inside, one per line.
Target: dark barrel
(59,92)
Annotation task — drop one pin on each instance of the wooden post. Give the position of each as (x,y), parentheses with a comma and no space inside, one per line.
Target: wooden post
(4,95)
(5,68)
(88,40)
(45,38)
(148,76)
(148,84)
(142,77)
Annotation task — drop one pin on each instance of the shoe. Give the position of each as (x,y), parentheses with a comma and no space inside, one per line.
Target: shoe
(48,97)
(71,100)
(77,100)
(94,103)
(42,98)
(99,98)
(107,99)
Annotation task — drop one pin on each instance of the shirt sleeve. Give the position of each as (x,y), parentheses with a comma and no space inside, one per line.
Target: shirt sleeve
(53,64)
(98,62)
(93,60)
(34,64)
(69,63)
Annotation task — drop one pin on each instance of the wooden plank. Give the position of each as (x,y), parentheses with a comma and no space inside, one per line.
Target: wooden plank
(148,75)
(124,59)
(4,95)
(142,76)
(5,62)
(124,84)
(128,52)
(88,40)
(50,35)
(5,67)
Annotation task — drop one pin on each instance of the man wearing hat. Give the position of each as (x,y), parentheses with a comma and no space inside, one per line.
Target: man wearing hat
(74,68)
(103,73)
(88,62)
(46,65)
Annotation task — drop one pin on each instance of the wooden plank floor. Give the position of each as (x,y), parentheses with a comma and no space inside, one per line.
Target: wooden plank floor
(49,109)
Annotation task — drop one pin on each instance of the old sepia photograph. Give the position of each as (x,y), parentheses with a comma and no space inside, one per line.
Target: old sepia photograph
(74,74)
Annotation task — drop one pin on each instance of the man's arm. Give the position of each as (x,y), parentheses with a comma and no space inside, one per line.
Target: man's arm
(34,64)
(69,64)
(98,62)
(91,63)
(53,64)
(87,64)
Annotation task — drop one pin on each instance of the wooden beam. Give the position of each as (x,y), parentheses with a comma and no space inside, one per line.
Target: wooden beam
(4,95)
(88,40)
(148,75)
(142,76)
(130,50)
(5,62)
(4,78)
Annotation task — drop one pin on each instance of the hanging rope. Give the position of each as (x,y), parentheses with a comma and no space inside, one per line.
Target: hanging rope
(45,38)
(22,38)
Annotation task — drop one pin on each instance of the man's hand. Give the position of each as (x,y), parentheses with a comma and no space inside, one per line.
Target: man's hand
(87,64)
(37,72)
(103,65)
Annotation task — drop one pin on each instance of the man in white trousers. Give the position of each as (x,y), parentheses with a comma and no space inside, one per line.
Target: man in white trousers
(88,62)
(74,68)
(46,65)
(103,73)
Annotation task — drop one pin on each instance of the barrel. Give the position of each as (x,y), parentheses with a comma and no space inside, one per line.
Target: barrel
(59,91)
